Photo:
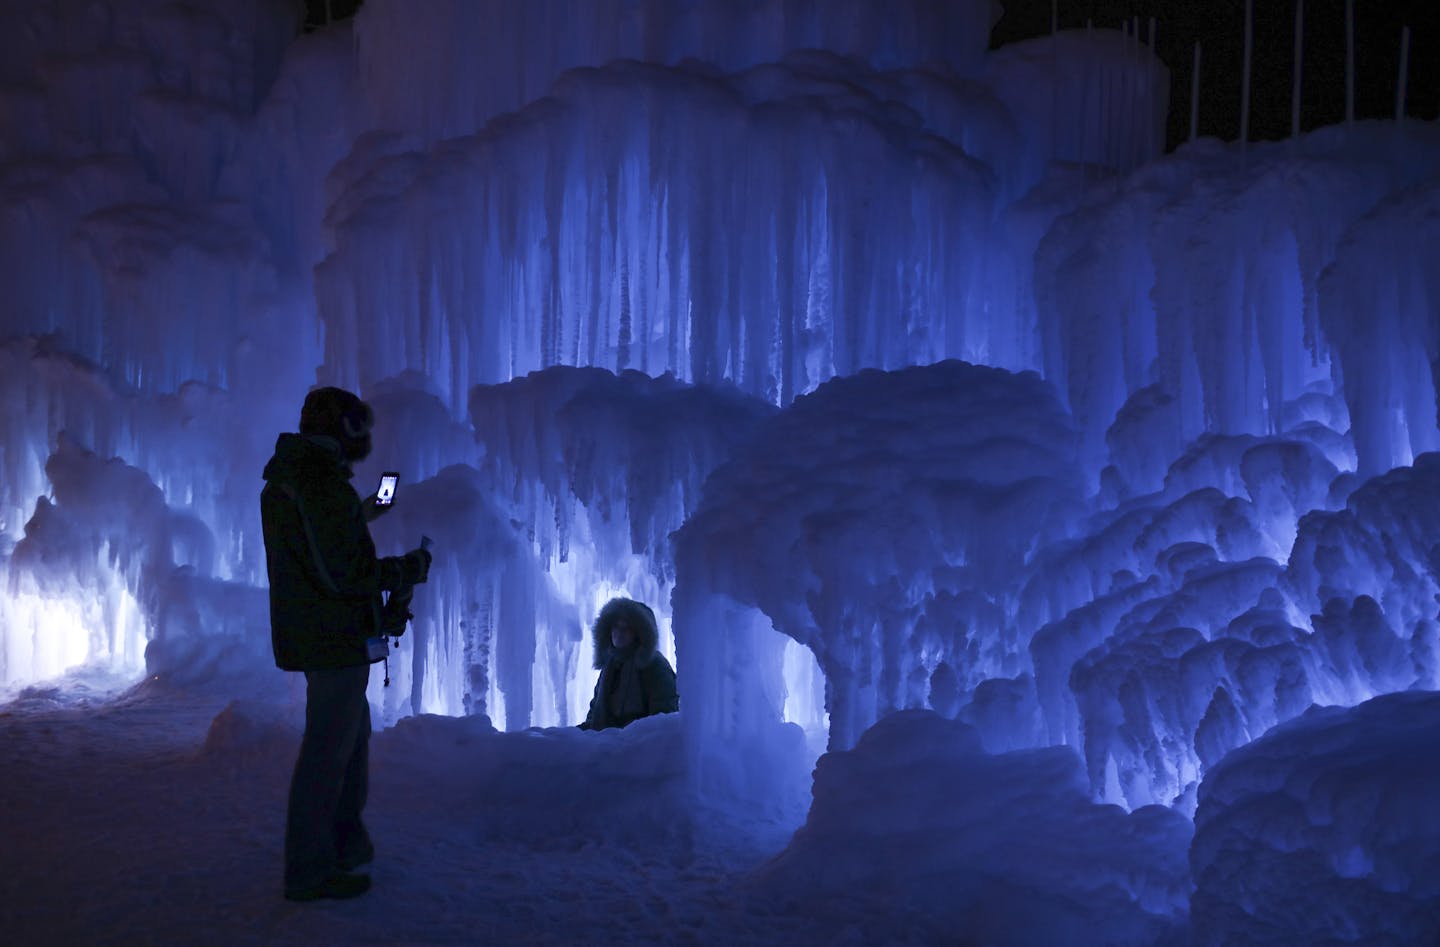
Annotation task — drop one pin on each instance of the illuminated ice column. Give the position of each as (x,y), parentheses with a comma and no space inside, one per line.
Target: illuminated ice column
(102,545)
(731,677)
(1377,304)
(47,628)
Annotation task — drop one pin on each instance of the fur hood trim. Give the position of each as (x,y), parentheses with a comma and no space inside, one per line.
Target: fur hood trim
(640,617)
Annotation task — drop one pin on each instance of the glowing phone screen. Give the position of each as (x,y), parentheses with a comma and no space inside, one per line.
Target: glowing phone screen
(386,494)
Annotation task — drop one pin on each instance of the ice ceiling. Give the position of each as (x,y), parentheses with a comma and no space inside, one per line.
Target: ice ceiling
(893,371)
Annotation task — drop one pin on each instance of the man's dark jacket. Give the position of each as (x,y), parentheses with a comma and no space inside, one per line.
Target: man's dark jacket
(325,580)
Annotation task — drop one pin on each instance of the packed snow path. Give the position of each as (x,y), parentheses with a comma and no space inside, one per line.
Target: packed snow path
(121,825)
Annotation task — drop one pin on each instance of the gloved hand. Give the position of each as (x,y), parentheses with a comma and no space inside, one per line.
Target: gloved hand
(372,510)
(417,566)
(396,613)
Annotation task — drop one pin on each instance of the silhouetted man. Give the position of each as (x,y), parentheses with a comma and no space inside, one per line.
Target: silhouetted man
(325,602)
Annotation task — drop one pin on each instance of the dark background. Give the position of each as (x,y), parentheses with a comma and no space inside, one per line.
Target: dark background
(320,12)
(1219,25)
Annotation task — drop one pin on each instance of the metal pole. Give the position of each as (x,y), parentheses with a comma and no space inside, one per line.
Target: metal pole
(1299,66)
(1349,62)
(1055,73)
(1404,70)
(1158,119)
(1195,94)
(1245,82)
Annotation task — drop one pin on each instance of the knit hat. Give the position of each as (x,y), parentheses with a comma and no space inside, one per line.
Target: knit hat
(337,413)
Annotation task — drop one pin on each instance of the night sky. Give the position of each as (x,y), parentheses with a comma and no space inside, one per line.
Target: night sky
(1219,25)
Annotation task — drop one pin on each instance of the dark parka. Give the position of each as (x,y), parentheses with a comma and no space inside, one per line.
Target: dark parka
(325,579)
(633,683)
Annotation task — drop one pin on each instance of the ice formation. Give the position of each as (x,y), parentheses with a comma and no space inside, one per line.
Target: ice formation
(879,521)
(448,68)
(1323,828)
(562,490)
(898,374)
(919,814)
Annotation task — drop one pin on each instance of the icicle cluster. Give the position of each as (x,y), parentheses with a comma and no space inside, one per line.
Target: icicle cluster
(752,229)
(572,484)
(1209,284)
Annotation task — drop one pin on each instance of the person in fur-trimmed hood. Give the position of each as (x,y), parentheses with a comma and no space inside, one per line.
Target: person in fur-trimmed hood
(635,679)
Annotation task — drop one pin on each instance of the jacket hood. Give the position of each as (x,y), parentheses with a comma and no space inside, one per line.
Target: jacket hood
(640,617)
(302,456)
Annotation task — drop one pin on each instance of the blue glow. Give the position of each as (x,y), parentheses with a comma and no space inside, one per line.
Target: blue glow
(683,319)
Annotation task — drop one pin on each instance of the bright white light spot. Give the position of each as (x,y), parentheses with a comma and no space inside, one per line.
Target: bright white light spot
(45,637)
(804,691)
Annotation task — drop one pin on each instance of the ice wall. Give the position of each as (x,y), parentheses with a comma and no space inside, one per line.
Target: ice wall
(114,231)
(1204,638)
(737,228)
(117,559)
(280,165)
(108,573)
(1383,285)
(562,491)
(1210,284)
(728,219)
(447,68)
(878,522)
(145,321)
(141,294)
(1103,101)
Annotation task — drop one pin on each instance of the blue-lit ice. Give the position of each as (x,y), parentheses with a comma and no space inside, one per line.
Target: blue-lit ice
(896,373)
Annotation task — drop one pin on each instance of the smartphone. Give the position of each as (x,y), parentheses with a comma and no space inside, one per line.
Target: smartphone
(385,494)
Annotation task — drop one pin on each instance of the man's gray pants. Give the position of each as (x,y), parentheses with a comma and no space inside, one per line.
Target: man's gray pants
(331,779)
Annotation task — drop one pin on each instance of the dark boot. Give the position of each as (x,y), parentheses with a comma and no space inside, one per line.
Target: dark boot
(355,856)
(337,886)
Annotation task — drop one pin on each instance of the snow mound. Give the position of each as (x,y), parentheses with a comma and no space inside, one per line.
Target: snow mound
(249,732)
(1007,848)
(557,788)
(1325,830)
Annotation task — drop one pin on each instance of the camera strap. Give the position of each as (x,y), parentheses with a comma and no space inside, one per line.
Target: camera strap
(327,581)
(321,571)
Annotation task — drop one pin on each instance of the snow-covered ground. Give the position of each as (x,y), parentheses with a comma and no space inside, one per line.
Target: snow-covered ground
(154,816)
